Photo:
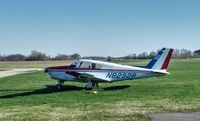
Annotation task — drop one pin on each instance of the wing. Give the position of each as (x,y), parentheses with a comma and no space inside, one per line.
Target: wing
(86,76)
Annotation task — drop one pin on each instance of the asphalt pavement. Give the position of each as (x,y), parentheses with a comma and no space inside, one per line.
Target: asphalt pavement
(17,71)
(193,116)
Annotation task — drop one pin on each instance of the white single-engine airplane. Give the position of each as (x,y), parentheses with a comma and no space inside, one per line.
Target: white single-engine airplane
(93,72)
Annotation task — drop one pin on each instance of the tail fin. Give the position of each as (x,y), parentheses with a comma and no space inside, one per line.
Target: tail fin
(161,60)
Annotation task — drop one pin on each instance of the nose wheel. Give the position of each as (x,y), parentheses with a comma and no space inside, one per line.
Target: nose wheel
(60,85)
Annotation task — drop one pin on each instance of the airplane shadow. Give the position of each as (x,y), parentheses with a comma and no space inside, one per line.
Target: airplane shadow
(48,90)
(51,89)
(116,87)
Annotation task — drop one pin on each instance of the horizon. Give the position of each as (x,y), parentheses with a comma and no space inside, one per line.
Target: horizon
(98,28)
(156,51)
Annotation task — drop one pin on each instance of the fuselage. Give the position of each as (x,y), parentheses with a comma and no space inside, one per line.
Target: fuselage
(93,72)
(101,72)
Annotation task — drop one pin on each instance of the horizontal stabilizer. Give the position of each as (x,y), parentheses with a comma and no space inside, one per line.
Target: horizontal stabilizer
(160,71)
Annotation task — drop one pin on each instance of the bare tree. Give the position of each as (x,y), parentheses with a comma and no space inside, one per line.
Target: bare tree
(152,54)
(62,57)
(75,56)
(143,55)
(16,57)
(184,53)
(37,56)
(3,58)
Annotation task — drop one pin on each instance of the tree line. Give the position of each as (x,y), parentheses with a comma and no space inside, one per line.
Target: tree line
(39,56)
(177,54)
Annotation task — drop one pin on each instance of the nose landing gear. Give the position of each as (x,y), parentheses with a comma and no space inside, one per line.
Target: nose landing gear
(60,85)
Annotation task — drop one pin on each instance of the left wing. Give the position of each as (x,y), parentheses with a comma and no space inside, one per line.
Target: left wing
(85,76)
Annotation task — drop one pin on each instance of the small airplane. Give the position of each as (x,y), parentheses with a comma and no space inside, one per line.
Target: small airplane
(93,72)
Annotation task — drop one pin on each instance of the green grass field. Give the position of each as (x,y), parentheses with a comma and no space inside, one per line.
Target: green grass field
(33,97)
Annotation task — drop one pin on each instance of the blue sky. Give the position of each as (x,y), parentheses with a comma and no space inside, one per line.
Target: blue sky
(98,27)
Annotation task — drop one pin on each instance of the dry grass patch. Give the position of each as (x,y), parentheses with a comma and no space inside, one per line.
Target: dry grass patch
(43,112)
(127,108)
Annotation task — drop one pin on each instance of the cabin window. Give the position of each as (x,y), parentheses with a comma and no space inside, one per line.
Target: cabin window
(98,66)
(107,67)
(84,65)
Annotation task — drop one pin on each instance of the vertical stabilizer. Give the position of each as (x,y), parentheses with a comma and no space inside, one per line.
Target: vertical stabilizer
(161,60)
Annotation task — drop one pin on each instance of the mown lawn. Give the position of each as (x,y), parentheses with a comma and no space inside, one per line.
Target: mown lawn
(33,97)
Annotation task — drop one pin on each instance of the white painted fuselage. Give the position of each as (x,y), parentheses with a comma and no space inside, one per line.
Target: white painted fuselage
(109,72)
(93,71)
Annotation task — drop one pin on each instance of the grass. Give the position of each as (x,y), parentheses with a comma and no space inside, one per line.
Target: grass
(32,96)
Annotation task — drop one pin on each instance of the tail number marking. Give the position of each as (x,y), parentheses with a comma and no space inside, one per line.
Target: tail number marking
(121,75)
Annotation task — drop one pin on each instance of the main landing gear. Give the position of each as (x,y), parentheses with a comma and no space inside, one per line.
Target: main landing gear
(60,84)
(91,85)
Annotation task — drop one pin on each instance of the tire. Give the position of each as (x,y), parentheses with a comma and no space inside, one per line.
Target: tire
(87,87)
(59,87)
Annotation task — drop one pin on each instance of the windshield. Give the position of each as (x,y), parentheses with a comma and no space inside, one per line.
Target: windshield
(74,64)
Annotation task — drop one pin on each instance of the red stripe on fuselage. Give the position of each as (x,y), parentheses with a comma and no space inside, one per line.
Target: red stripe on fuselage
(89,69)
(61,67)
(167,60)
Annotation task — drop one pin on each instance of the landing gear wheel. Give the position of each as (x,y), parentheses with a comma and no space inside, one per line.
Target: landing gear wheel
(59,87)
(89,86)
(60,84)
